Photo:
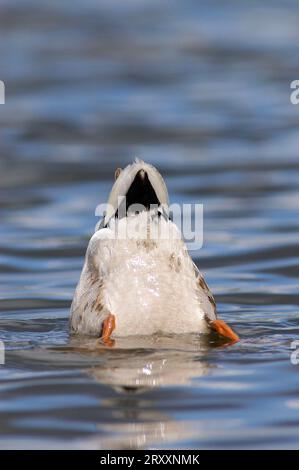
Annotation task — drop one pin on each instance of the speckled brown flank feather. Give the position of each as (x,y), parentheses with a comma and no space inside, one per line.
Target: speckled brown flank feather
(207,291)
(202,285)
(219,326)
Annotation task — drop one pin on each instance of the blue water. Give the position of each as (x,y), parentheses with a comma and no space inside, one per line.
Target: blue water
(202,90)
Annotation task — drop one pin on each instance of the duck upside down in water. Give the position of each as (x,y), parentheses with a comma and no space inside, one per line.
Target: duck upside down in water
(138,277)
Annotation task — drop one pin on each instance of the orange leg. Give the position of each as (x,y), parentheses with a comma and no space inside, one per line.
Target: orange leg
(224,330)
(108,327)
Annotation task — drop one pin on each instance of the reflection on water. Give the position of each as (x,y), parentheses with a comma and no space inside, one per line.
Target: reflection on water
(138,364)
(201,90)
(130,416)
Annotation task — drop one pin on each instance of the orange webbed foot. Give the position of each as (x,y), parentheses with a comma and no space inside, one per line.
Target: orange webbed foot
(222,329)
(107,330)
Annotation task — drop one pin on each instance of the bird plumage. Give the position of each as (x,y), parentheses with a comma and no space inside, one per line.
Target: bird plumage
(137,267)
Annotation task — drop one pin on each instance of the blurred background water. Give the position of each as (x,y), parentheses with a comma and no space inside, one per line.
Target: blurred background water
(202,90)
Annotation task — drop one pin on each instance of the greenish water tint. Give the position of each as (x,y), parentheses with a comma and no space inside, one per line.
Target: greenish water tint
(201,90)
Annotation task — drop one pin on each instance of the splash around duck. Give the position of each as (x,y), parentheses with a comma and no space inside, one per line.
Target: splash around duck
(138,277)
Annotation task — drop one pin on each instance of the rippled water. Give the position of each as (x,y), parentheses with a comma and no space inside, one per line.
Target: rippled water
(200,89)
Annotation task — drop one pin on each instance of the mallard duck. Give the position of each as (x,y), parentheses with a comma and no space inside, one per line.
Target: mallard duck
(134,283)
